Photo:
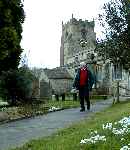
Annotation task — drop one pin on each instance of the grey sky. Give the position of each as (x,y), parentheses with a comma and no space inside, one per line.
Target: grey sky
(42,27)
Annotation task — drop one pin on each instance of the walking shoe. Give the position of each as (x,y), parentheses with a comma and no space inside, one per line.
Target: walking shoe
(88,107)
(82,109)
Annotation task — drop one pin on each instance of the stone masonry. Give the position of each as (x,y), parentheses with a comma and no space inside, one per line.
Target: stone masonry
(77,42)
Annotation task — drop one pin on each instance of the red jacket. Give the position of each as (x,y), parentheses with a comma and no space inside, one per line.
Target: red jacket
(83,76)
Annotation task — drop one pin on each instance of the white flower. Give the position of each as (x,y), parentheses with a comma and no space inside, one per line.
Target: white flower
(115,123)
(125,121)
(125,148)
(123,129)
(94,139)
(82,142)
(53,109)
(107,126)
(122,139)
(95,132)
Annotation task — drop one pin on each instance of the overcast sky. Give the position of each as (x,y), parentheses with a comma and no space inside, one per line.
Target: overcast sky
(42,27)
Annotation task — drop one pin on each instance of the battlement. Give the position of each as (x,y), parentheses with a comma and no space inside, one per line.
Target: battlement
(79,22)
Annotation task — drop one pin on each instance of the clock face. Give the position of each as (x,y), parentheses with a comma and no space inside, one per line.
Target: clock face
(83,42)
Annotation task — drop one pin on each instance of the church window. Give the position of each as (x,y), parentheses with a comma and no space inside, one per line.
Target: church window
(83,33)
(66,34)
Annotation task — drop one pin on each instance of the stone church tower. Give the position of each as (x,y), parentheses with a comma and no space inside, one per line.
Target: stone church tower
(77,42)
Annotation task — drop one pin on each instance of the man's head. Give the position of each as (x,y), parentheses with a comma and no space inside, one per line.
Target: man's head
(82,64)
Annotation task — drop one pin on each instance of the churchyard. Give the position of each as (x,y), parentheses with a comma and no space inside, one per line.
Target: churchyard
(11,113)
(27,92)
(105,130)
(30,110)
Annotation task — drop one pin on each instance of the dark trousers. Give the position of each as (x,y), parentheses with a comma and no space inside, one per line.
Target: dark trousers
(84,96)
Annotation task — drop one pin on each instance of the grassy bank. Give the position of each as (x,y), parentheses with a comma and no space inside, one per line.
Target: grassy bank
(71,137)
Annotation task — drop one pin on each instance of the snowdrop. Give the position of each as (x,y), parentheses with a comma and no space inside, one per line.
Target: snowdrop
(83,141)
(94,132)
(124,124)
(125,121)
(125,148)
(3,103)
(93,139)
(3,109)
(121,128)
(107,126)
(119,131)
(115,123)
(122,139)
(53,109)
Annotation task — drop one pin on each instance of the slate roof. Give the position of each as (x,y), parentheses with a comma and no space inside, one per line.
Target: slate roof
(57,73)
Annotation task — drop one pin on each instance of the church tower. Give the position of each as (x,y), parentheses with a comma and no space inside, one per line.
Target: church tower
(77,42)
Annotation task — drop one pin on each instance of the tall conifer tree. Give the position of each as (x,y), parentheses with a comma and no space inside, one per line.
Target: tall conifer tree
(11,19)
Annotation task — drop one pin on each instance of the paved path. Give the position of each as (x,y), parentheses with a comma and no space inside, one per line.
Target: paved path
(19,132)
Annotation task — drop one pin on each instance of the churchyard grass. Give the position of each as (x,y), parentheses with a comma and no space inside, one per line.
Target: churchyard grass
(99,124)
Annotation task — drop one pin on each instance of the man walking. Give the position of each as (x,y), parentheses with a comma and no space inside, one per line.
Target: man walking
(83,82)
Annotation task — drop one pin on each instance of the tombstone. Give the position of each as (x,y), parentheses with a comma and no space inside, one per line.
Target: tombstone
(57,97)
(63,97)
(45,90)
(75,96)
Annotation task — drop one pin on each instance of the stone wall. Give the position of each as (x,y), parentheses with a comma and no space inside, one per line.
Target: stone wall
(61,85)
(106,79)
(54,81)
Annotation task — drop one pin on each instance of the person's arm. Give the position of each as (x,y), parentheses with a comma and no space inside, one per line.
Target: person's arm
(76,80)
(90,80)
